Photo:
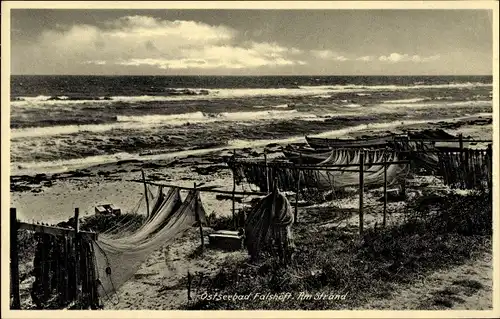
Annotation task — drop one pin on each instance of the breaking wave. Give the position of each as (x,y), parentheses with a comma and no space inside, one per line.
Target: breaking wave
(224,93)
(150,121)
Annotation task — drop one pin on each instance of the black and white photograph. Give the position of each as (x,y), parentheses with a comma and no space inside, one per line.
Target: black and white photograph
(249,157)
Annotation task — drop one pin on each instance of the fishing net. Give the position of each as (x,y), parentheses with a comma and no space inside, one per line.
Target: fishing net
(325,180)
(268,227)
(123,226)
(470,169)
(423,155)
(118,257)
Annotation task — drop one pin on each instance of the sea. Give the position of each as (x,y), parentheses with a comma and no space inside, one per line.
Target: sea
(60,123)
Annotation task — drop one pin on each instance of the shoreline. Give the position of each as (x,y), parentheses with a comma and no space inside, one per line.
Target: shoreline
(52,197)
(70,165)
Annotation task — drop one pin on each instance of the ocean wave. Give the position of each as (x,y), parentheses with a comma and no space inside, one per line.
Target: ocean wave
(225,93)
(151,121)
(437,105)
(201,117)
(352,105)
(279,106)
(54,166)
(414,100)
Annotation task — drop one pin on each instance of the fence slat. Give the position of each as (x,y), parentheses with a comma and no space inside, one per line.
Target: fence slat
(14,261)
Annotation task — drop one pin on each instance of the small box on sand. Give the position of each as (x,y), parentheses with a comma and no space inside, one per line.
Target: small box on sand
(226,240)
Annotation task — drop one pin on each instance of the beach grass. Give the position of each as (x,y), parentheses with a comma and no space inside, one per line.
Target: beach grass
(444,233)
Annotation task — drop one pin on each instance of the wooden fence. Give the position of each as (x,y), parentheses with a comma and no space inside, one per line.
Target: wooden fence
(15,225)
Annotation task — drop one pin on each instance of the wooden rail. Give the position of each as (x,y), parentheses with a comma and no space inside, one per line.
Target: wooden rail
(56,231)
(200,189)
(313,167)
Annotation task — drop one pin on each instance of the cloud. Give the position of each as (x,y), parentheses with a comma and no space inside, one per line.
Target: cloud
(397,57)
(328,55)
(135,41)
(96,62)
(251,55)
(366,58)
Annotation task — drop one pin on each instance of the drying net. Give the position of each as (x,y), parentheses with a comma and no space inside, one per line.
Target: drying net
(288,176)
(268,227)
(349,176)
(120,254)
(471,169)
(423,155)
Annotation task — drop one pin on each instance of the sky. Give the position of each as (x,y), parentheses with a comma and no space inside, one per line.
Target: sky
(251,42)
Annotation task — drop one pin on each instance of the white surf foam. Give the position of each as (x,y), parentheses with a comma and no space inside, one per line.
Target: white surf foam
(415,100)
(438,104)
(225,93)
(152,121)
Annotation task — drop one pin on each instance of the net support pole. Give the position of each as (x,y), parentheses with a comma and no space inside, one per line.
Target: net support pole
(461,143)
(361,189)
(77,256)
(267,172)
(296,213)
(145,192)
(198,219)
(14,261)
(233,192)
(385,196)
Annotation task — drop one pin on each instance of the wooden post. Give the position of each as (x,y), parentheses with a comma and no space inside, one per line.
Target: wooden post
(465,164)
(267,172)
(198,219)
(14,262)
(273,206)
(489,161)
(145,192)
(361,189)
(296,215)
(234,189)
(77,256)
(385,191)
(461,142)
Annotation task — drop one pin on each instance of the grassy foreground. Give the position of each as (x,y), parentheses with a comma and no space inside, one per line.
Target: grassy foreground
(436,234)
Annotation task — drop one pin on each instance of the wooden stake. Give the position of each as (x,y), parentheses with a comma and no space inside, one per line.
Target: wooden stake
(145,192)
(234,190)
(77,256)
(489,161)
(14,261)
(296,215)
(461,147)
(267,173)
(467,177)
(361,189)
(385,195)
(198,219)
(461,142)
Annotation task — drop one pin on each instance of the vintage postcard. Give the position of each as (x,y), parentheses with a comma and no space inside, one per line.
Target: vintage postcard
(184,159)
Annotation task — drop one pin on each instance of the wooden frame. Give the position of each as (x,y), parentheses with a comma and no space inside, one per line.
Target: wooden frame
(16,225)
